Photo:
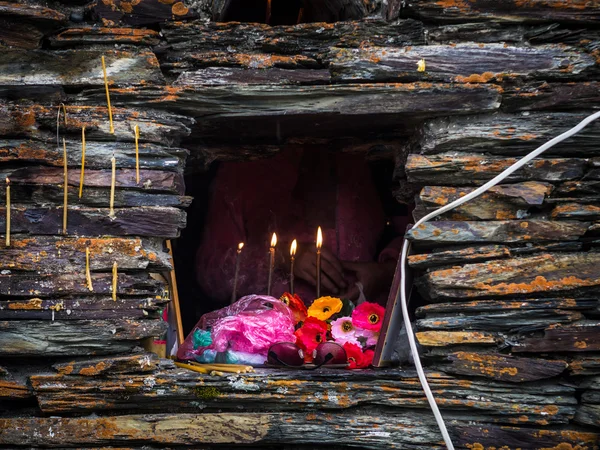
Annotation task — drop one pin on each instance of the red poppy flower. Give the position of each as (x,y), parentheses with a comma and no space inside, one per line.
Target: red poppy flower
(296,304)
(368,316)
(312,332)
(356,358)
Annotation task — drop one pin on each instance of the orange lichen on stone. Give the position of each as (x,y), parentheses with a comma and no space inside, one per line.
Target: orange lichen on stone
(475,78)
(34,303)
(179,9)
(538,284)
(93,370)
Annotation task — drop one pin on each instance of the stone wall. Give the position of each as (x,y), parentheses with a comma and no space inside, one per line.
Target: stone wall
(510,330)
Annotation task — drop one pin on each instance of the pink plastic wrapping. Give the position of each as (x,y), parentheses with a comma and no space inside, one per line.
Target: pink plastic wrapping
(250,325)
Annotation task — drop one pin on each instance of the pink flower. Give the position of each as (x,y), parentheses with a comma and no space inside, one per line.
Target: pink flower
(343,331)
(368,316)
(368,337)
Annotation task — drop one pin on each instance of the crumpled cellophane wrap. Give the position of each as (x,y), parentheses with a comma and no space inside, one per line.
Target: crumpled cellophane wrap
(249,326)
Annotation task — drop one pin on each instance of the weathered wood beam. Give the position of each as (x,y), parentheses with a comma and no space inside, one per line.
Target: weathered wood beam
(577,337)
(459,255)
(64,284)
(138,363)
(462,63)
(92,35)
(48,254)
(150,180)
(293,391)
(460,169)
(507,134)
(152,221)
(502,231)
(40,121)
(97,154)
(546,274)
(502,202)
(35,338)
(78,67)
(578,12)
(143,12)
(551,96)
(23,25)
(502,367)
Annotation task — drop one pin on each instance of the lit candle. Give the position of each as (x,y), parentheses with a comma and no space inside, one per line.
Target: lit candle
(88,275)
(137,155)
(65,187)
(113,177)
(292,258)
(271,262)
(82,161)
(237,271)
(7,212)
(114,281)
(112,130)
(319,245)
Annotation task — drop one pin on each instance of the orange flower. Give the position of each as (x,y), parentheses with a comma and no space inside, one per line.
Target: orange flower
(325,307)
(295,303)
(312,332)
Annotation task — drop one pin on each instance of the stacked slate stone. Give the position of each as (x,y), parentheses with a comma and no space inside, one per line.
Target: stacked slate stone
(509,331)
(49,308)
(510,280)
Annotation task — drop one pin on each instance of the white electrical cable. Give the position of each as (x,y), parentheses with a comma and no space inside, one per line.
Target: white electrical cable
(406,247)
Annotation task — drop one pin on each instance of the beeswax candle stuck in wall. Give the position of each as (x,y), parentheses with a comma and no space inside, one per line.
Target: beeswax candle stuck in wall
(65,187)
(114,281)
(112,129)
(137,154)
(88,274)
(7,212)
(113,179)
(81,174)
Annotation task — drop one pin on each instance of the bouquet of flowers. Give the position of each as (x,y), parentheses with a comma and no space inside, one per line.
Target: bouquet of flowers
(356,329)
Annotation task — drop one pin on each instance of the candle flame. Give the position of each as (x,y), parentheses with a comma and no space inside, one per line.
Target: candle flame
(319,238)
(240,245)
(293,248)
(7,180)
(274,240)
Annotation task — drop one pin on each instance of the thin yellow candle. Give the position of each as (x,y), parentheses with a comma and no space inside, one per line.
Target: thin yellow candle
(137,155)
(82,161)
(65,187)
(114,281)
(237,271)
(7,212)
(319,245)
(293,248)
(112,129)
(271,262)
(88,274)
(112,186)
